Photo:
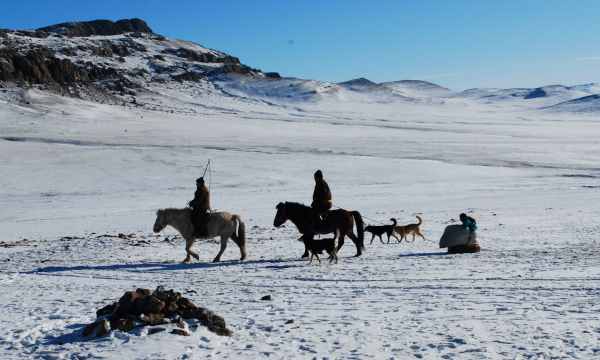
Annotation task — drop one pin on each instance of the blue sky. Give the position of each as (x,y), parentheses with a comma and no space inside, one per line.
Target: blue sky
(456,44)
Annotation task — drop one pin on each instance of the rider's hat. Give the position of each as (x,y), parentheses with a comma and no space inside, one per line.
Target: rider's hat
(319,174)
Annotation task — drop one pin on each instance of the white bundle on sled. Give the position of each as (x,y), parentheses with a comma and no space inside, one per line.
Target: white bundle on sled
(458,238)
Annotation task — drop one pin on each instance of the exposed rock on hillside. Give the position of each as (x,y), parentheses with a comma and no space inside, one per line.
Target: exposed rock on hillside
(98,27)
(118,57)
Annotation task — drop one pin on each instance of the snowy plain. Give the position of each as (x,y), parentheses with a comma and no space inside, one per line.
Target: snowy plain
(76,173)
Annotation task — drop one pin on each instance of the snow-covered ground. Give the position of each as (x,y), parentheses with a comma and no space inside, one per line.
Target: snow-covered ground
(77,173)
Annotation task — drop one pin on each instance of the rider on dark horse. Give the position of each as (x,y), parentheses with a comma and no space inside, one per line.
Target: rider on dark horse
(321,201)
(200,206)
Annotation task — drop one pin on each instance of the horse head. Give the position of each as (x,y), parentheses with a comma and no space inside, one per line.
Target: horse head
(160,223)
(280,217)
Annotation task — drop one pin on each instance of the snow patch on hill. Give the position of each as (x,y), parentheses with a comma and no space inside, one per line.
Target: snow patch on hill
(418,89)
(593,88)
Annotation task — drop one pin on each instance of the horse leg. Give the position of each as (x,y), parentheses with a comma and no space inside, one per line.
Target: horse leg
(189,251)
(305,252)
(224,239)
(241,245)
(340,243)
(355,241)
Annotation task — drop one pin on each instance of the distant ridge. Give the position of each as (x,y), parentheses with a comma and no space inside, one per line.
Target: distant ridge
(593,88)
(418,89)
(588,104)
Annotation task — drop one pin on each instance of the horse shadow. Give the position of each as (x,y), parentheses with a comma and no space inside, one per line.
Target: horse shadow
(166,266)
(423,254)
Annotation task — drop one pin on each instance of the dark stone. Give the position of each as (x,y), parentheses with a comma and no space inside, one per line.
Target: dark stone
(124,325)
(120,50)
(103,328)
(141,303)
(273,75)
(153,305)
(290,321)
(144,292)
(108,309)
(156,319)
(236,68)
(116,316)
(185,303)
(154,331)
(90,329)
(266,297)
(69,51)
(188,76)
(127,302)
(180,332)
(213,322)
(170,309)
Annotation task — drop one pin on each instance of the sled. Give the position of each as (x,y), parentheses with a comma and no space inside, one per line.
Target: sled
(459,240)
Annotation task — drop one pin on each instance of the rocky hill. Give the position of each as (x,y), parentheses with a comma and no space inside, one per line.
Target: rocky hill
(115,57)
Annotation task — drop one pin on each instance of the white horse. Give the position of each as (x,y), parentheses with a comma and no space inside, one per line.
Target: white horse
(220,223)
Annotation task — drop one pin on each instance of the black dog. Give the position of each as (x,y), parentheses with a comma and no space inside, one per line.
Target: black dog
(317,246)
(380,230)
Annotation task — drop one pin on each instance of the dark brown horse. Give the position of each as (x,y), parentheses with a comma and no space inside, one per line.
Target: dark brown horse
(341,220)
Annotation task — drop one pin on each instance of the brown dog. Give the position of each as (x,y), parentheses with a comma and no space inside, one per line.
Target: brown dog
(403,231)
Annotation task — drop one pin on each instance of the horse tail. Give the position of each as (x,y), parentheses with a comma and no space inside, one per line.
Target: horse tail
(239,235)
(360,228)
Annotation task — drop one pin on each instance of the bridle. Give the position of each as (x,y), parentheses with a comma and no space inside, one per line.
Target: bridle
(283,218)
(164,224)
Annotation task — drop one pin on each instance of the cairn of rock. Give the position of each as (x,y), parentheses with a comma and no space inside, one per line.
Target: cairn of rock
(145,307)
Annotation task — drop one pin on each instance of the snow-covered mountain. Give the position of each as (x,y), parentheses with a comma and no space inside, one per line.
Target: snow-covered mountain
(419,89)
(124,62)
(593,88)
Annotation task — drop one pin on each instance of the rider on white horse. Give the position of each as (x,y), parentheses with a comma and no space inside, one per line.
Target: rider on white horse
(200,206)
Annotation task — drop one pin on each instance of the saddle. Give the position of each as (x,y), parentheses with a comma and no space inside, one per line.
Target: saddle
(201,227)
(319,222)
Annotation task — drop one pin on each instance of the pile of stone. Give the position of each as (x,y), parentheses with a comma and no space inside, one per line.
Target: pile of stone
(145,307)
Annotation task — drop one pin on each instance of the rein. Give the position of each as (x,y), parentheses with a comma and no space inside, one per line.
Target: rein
(364,217)
(168,222)
(290,218)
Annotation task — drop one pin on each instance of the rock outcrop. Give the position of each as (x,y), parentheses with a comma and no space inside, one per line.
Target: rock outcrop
(126,59)
(145,307)
(98,27)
